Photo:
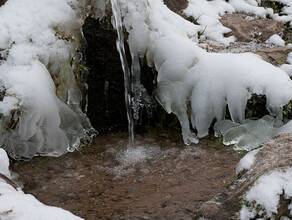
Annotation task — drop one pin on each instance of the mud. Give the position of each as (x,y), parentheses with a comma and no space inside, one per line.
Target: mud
(167,181)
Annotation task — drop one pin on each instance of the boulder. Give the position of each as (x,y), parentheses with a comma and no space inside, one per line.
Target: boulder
(273,156)
(246,28)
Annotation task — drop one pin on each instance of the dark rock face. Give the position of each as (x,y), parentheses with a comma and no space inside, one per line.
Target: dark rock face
(177,6)
(106,101)
(106,105)
(2,2)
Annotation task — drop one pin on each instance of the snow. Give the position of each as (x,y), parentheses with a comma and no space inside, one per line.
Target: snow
(276,40)
(247,161)
(207,15)
(34,48)
(286,13)
(250,7)
(16,205)
(288,67)
(4,163)
(266,192)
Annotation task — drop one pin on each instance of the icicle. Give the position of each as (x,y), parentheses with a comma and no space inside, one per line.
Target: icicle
(136,86)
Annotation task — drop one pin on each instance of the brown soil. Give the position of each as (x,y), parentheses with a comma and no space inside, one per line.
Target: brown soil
(95,183)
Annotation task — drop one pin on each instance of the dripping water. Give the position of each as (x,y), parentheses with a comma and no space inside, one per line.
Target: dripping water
(136,86)
(127,73)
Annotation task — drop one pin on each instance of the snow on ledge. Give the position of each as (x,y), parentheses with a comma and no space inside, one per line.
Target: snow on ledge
(264,196)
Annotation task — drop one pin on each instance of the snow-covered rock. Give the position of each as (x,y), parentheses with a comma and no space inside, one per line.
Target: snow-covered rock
(262,188)
(39,71)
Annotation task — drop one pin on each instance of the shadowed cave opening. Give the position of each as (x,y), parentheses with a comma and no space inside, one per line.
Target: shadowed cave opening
(106,102)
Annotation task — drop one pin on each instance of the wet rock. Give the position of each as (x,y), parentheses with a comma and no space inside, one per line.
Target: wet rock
(106,101)
(274,155)
(246,28)
(106,106)
(276,55)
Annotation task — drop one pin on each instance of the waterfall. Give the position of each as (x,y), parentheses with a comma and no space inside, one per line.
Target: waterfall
(127,73)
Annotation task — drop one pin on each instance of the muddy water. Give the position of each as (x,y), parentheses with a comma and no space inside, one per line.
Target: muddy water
(104,181)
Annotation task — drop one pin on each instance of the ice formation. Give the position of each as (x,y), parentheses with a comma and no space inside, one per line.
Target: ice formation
(252,133)
(39,67)
(187,73)
(40,109)
(14,204)
(264,196)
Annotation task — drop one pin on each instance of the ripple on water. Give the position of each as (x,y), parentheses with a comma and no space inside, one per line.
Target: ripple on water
(144,156)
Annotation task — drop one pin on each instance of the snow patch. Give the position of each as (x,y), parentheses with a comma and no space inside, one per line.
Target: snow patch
(288,67)
(266,192)
(247,161)
(250,7)
(207,15)
(276,40)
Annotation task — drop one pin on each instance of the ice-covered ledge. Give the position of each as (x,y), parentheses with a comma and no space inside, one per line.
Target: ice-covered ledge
(42,77)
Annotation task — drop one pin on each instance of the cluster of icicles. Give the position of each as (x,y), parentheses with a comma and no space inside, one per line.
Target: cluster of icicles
(40,76)
(34,68)
(209,82)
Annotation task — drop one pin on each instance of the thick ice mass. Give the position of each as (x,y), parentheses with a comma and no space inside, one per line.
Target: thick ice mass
(40,112)
(188,74)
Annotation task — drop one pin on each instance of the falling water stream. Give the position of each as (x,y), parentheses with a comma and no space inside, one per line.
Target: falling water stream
(127,72)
